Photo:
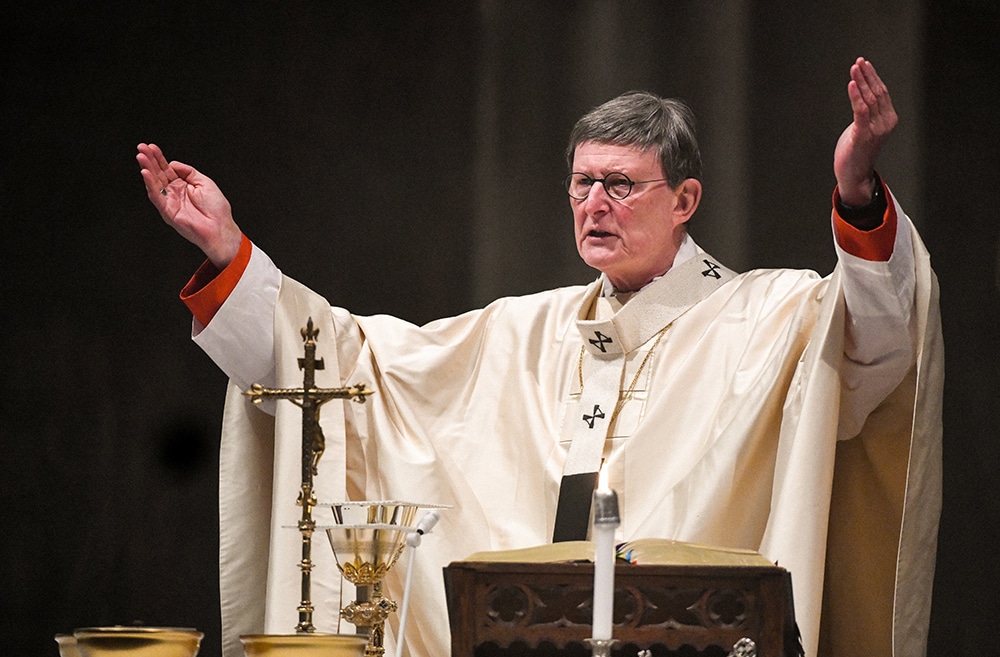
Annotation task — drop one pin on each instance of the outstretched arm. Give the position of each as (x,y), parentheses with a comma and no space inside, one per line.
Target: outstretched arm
(876,258)
(859,144)
(240,339)
(191,203)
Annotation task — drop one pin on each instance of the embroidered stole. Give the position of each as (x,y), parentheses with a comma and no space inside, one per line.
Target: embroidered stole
(607,344)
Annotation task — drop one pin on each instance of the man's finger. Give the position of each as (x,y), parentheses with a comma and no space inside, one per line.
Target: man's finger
(858,104)
(863,84)
(157,154)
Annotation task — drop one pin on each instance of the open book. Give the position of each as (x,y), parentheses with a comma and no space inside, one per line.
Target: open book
(655,551)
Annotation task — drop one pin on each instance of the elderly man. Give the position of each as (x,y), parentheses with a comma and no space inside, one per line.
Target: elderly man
(773,410)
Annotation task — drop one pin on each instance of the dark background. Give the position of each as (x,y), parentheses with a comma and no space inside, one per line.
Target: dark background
(406,158)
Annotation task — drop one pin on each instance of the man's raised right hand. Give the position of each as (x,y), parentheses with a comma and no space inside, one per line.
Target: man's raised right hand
(191,203)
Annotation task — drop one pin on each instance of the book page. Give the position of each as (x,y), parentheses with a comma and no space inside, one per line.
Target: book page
(653,551)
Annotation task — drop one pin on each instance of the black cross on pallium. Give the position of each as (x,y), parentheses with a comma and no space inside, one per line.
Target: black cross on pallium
(598,415)
(713,269)
(600,341)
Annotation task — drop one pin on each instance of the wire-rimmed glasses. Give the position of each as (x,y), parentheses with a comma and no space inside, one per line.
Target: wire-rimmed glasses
(616,184)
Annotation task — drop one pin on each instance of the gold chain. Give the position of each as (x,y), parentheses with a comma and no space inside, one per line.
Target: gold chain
(624,396)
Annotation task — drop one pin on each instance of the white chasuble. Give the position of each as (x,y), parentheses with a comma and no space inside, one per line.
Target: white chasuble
(727,435)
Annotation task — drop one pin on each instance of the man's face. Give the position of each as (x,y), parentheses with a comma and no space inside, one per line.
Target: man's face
(634,239)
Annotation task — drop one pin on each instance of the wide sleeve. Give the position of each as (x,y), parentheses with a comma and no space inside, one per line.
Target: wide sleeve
(879,346)
(886,501)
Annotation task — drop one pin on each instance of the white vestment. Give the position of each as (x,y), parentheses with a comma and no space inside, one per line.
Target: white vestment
(728,435)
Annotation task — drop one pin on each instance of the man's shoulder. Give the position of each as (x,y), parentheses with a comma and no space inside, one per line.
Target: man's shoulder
(776,285)
(552,298)
(514,312)
(784,274)
(558,293)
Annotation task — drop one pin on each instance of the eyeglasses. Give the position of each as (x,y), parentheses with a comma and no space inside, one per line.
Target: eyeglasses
(616,184)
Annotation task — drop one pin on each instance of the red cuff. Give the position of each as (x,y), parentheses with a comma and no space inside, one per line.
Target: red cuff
(874,245)
(209,288)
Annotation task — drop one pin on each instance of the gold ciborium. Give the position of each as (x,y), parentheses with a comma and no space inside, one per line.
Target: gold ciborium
(367,540)
(311,644)
(138,641)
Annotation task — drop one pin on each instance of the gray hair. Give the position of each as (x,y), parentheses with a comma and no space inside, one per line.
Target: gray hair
(644,120)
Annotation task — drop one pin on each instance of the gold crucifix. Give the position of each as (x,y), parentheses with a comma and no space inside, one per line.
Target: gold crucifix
(309,398)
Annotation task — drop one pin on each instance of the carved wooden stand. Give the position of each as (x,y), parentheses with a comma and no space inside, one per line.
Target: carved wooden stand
(544,610)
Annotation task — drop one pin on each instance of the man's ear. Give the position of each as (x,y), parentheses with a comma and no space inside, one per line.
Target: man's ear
(688,196)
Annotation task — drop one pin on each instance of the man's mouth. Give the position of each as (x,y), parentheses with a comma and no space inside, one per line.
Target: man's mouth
(598,233)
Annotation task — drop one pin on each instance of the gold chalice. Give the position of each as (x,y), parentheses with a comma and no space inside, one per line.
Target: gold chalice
(367,540)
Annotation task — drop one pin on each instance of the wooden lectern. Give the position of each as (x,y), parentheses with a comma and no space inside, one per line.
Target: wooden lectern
(502,609)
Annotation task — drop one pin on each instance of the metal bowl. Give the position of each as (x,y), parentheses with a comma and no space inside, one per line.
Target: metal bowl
(304,645)
(365,553)
(121,640)
(391,512)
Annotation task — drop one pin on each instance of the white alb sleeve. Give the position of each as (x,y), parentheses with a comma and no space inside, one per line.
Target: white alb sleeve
(240,338)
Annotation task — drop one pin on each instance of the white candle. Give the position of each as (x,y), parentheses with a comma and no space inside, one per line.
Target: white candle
(606,520)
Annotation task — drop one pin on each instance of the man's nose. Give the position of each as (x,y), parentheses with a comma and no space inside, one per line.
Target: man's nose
(597,200)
